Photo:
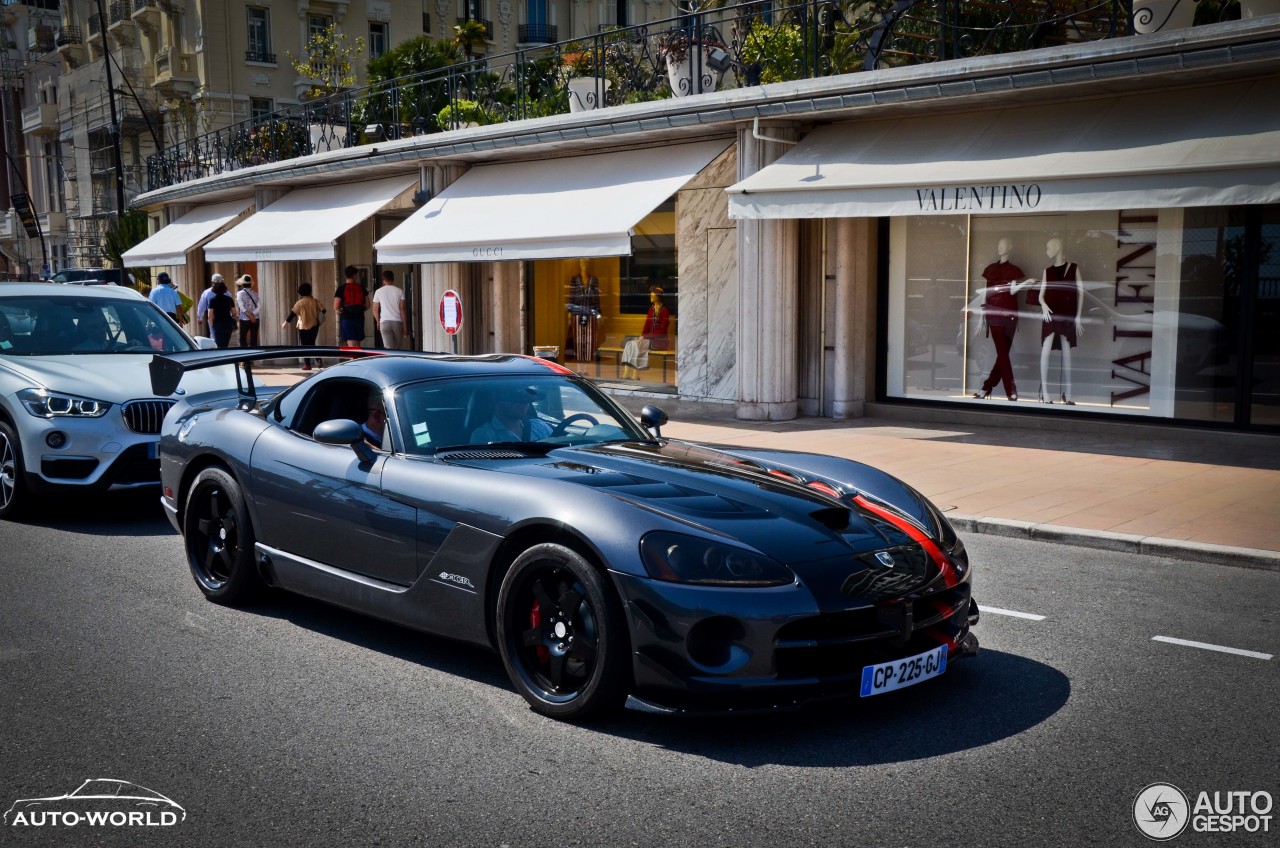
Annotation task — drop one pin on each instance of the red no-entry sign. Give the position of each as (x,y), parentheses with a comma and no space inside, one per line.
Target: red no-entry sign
(451,312)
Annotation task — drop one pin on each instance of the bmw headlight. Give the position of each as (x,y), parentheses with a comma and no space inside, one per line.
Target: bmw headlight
(46,404)
(687,559)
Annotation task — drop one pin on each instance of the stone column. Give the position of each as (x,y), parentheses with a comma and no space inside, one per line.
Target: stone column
(855,318)
(438,277)
(506,307)
(768,293)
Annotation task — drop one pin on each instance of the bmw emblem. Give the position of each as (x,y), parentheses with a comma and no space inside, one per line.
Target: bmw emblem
(885,558)
(179,391)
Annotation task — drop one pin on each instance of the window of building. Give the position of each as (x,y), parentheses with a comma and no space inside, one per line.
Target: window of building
(318,25)
(1136,312)
(260,108)
(378,38)
(258,46)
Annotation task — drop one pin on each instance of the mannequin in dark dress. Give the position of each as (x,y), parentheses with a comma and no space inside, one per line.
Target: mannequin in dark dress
(1061,304)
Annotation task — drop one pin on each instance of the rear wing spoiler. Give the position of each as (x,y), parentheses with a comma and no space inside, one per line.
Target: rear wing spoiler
(167,369)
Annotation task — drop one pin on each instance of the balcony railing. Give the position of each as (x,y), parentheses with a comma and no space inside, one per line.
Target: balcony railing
(121,10)
(68,36)
(538,34)
(754,43)
(259,56)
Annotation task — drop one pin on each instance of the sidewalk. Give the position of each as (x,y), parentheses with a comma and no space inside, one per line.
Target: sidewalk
(1206,496)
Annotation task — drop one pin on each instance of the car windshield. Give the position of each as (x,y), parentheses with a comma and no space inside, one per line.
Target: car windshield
(51,325)
(525,411)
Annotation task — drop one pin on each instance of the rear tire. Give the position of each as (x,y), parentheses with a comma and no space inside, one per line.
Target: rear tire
(218,538)
(14,494)
(562,634)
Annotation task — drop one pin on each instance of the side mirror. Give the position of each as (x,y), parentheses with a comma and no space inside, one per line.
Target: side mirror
(206,343)
(653,418)
(344,431)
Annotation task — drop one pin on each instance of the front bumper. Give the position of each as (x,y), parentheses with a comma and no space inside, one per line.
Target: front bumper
(97,453)
(717,649)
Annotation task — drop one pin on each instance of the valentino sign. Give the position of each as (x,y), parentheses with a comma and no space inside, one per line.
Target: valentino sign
(978,198)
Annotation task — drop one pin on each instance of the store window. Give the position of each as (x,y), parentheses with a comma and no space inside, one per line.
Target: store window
(614,319)
(1126,311)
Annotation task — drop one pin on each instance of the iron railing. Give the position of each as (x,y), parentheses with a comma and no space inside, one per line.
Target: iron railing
(750,44)
(259,56)
(121,10)
(537,34)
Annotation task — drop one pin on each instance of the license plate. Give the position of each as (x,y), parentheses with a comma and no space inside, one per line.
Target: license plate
(888,676)
(153,450)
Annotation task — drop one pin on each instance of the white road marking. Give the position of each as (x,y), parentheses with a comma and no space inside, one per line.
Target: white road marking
(1206,646)
(1011,613)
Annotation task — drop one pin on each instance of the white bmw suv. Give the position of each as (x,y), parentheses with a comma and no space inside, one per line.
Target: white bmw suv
(76,406)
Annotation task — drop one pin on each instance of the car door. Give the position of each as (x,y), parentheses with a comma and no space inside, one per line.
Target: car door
(323,502)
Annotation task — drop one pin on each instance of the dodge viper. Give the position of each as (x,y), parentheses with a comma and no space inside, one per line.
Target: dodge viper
(505,501)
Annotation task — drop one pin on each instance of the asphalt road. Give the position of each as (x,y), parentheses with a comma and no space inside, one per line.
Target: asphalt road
(297,724)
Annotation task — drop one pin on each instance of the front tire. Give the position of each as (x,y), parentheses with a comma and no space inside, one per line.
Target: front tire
(13,486)
(562,634)
(218,537)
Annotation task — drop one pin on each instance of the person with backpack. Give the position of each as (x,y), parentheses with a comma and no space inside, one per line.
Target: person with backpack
(249,306)
(350,302)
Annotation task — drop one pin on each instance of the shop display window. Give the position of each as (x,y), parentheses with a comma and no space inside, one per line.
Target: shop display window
(1125,311)
(613,319)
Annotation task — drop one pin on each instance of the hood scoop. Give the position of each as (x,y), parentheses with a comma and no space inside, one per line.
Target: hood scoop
(833,518)
(483,453)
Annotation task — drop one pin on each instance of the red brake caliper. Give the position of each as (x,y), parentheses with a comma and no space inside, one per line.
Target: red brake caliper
(535,620)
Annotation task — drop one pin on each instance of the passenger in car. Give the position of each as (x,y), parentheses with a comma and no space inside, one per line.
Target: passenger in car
(375,423)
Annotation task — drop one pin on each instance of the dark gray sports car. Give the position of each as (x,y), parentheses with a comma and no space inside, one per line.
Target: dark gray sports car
(505,501)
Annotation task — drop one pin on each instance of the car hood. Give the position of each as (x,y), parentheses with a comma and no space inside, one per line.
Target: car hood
(720,492)
(114,378)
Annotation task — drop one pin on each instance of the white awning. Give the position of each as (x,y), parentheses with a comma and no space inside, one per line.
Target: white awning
(549,209)
(305,223)
(169,246)
(1211,146)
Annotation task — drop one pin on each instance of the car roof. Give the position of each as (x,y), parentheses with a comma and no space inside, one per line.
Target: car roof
(55,290)
(393,369)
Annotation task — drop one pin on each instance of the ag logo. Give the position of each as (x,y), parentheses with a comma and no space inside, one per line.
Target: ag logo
(1161,811)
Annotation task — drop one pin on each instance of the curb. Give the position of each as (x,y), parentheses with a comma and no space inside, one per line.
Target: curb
(1122,542)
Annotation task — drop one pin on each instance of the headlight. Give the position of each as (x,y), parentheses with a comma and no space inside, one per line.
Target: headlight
(688,559)
(46,404)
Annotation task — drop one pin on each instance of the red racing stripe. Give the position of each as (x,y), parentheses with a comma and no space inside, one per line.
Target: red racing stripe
(942,560)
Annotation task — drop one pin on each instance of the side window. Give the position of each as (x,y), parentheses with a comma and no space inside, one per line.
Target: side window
(285,407)
(329,399)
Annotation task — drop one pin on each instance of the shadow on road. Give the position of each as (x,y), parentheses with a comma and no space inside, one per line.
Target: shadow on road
(977,702)
(135,512)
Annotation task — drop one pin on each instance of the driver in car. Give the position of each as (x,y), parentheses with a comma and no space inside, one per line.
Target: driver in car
(92,333)
(511,421)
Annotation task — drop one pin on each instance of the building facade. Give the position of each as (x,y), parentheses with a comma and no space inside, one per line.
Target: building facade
(1087,228)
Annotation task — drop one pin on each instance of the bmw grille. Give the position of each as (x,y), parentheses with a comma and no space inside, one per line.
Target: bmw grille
(145,416)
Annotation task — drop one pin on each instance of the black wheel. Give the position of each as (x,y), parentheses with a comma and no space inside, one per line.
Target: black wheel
(559,429)
(219,539)
(562,634)
(13,486)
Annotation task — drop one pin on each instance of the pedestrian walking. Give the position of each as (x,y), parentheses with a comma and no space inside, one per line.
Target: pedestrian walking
(350,303)
(166,296)
(202,306)
(307,315)
(222,314)
(249,304)
(389,313)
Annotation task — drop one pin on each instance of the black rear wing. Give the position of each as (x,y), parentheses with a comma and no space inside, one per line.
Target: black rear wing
(167,369)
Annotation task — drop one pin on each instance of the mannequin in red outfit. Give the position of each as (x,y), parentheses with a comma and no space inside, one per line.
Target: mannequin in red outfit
(1000,316)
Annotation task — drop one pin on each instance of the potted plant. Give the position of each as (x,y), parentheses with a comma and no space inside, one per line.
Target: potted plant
(584,77)
(462,114)
(695,60)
